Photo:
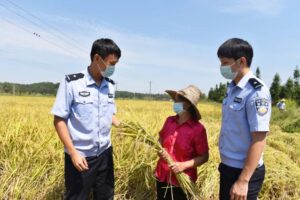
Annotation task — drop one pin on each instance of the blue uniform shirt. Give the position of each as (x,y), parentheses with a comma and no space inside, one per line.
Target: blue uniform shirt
(281,105)
(88,110)
(246,109)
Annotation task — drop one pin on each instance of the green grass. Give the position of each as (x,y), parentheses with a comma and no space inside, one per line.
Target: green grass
(289,120)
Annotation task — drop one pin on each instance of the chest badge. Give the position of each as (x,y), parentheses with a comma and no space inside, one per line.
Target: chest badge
(237,100)
(110,95)
(84,93)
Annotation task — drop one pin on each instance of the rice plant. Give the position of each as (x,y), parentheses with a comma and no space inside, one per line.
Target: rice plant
(31,155)
(136,131)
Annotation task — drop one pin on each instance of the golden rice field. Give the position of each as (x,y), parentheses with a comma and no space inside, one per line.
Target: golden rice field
(31,155)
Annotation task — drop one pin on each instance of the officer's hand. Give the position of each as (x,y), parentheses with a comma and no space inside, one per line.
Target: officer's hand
(79,162)
(178,167)
(239,190)
(116,122)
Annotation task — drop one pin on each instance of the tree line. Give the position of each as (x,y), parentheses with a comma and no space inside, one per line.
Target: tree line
(50,89)
(289,90)
(43,88)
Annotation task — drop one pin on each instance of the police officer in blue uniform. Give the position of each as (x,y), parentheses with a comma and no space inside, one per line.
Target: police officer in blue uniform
(246,113)
(83,114)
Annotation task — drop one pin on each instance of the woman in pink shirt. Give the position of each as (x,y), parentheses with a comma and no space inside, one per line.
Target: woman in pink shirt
(184,139)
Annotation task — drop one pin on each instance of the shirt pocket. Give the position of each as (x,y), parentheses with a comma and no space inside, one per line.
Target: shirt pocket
(110,100)
(83,107)
(109,105)
(236,107)
(224,102)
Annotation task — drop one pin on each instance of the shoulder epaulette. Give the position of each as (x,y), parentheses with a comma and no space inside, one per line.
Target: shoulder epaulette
(255,83)
(110,80)
(74,77)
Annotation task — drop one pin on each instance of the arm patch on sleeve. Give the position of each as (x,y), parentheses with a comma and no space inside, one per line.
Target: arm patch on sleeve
(262,106)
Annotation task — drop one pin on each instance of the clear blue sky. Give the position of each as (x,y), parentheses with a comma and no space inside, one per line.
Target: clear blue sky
(172,43)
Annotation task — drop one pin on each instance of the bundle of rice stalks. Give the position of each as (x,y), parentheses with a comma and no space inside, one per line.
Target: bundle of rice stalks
(137,132)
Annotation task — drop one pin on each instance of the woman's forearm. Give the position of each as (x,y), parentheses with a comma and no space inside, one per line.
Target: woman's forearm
(197,161)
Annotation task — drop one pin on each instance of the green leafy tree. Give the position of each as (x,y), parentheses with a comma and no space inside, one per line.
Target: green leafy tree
(289,89)
(7,87)
(275,88)
(296,92)
(217,93)
(296,76)
(283,92)
(257,72)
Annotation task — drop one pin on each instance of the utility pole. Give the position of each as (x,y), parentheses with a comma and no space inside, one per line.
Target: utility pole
(14,89)
(150,87)
(116,86)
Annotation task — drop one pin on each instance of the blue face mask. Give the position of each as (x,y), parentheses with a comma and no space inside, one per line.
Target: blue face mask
(227,72)
(178,107)
(109,71)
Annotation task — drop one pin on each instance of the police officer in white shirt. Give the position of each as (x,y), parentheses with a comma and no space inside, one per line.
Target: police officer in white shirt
(83,114)
(246,113)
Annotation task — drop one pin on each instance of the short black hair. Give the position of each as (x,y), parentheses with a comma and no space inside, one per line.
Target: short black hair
(236,48)
(104,47)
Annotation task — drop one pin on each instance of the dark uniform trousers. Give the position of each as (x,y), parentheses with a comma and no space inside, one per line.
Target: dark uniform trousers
(228,176)
(99,178)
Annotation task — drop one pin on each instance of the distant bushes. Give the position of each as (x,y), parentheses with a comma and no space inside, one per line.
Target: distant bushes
(289,120)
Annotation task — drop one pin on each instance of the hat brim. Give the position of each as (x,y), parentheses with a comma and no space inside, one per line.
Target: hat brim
(173,93)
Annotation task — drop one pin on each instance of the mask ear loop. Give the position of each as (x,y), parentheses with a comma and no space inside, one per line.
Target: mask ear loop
(103,62)
(235,62)
(101,72)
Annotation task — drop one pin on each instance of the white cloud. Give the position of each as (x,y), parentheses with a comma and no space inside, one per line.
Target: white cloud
(137,49)
(140,53)
(141,50)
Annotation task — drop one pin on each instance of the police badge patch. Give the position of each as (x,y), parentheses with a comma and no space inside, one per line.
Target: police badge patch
(84,93)
(262,106)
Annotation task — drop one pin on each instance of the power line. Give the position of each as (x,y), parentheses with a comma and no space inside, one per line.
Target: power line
(48,24)
(37,25)
(31,32)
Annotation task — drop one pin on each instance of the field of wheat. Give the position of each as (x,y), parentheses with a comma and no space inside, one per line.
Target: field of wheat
(31,155)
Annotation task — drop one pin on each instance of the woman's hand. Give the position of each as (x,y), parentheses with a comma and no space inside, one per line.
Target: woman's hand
(163,154)
(178,167)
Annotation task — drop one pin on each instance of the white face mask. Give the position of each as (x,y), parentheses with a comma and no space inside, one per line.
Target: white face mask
(178,107)
(227,72)
(109,70)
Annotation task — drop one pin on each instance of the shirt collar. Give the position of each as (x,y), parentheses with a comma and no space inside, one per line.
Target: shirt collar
(104,83)
(90,81)
(242,83)
(189,122)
